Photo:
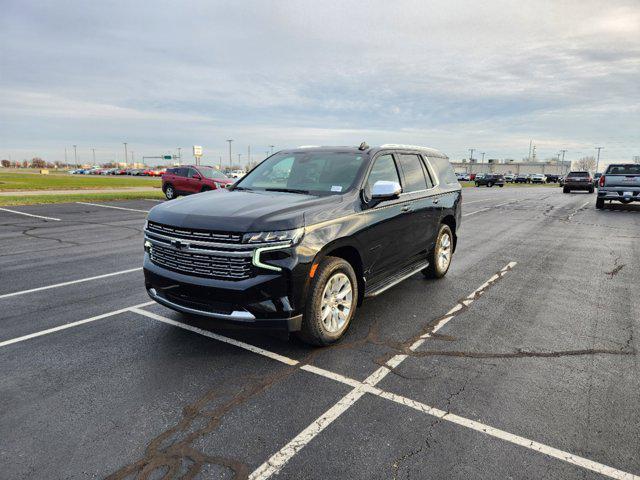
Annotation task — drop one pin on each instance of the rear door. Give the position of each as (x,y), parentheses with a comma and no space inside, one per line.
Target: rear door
(422,212)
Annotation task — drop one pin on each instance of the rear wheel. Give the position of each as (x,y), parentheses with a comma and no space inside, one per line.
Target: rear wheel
(169,192)
(501,185)
(600,203)
(333,296)
(565,190)
(591,190)
(440,256)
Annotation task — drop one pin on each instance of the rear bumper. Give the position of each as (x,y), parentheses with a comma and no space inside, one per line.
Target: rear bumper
(619,195)
(579,186)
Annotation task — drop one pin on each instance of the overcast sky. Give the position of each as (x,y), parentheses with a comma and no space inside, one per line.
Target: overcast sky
(447,74)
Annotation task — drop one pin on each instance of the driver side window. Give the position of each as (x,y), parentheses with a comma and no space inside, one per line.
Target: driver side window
(384,168)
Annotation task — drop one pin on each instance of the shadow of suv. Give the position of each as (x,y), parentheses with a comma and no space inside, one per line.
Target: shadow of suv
(305,236)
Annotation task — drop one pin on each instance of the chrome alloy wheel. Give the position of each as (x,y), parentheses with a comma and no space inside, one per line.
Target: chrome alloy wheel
(336,302)
(443,252)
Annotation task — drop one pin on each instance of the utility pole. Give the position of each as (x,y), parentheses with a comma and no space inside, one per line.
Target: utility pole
(482,161)
(249,155)
(471,150)
(65,156)
(239,156)
(598,160)
(562,164)
(220,167)
(530,143)
(75,154)
(230,140)
(179,155)
(132,160)
(93,150)
(126,155)
(271,146)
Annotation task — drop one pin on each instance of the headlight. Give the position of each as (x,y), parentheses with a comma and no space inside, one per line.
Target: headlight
(292,236)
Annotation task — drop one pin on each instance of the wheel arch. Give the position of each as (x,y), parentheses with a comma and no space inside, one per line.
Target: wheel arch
(451,222)
(350,253)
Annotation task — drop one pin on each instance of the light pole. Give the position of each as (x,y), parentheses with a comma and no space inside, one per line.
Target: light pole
(562,164)
(239,161)
(93,150)
(65,156)
(271,146)
(230,140)
(126,155)
(179,155)
(471,150)
(482,161)
(249,155)
(75,154)
(598,160)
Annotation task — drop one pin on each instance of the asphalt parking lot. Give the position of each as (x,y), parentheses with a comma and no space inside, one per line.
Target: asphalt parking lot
(521,363)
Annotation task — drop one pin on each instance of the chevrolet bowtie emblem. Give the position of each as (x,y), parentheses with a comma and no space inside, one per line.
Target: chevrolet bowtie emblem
(179,245)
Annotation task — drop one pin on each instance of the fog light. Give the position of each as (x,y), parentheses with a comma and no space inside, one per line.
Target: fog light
(147,246)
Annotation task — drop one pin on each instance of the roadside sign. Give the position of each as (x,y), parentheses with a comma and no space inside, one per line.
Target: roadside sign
(168,157)
(197,151)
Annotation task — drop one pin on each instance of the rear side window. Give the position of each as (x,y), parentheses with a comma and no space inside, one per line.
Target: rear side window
(623,169)
(413,172)
(384,168)
(180,172)
(171,171)
(192,172)
(444,170)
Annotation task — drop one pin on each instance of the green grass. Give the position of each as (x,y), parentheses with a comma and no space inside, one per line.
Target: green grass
(62,181)
(76,197)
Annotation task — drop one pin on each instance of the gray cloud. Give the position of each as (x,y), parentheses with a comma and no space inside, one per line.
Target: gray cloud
(448,74)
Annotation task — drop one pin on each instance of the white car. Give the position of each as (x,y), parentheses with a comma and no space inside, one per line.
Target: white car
(538,178)
(237,174)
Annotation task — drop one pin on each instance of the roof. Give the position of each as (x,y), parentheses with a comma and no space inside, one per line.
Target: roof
(372,149)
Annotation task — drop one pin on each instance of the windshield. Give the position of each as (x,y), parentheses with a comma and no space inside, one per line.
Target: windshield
(305,172)
(209,172)
(578,174)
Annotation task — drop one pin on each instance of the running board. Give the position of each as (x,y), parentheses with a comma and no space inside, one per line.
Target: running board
(380,286)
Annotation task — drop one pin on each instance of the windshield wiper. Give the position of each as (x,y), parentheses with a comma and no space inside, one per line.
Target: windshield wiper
(288,190)
(242,188)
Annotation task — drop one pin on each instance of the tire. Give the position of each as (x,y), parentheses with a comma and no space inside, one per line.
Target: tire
(438,269)
(599,203)
(205,189)
(477,184)
(329,274)
(501,185)
(169,192)
(591,190)
(489,184)
(565,190)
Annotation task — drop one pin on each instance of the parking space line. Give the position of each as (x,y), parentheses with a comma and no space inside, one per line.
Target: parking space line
(276,462)
(477,211)
(71,282)
(31,215)
(72,324)
(113,206)
(281,457)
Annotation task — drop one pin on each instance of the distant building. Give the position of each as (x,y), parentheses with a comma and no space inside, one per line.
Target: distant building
(554,167)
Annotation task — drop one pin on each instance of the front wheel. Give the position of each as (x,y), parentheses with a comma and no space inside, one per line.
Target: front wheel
(331,304)
(501,185)
(565,190)
(169,192)
(440,256)
(489,184)
(591,190)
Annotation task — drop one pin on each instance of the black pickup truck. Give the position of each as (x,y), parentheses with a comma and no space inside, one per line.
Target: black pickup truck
(305,236)
(619,182)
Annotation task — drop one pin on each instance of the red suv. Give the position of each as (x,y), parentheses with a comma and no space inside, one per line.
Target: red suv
(192,179)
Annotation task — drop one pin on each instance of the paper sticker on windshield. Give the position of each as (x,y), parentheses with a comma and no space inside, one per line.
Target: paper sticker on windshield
(336,188)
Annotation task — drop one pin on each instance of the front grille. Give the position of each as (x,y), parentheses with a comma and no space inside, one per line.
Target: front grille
(202,265)
(191,234)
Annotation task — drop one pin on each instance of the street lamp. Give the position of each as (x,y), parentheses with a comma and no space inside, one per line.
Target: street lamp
(126,154)
(271,148)
(598,160)
(230,140)
(75,154)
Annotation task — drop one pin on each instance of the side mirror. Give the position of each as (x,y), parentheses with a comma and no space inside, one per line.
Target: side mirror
(196,176)
(385,190)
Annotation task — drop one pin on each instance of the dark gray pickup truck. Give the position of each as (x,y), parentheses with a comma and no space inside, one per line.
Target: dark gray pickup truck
(620,182)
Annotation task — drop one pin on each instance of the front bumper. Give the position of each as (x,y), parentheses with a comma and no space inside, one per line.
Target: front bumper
(263,301)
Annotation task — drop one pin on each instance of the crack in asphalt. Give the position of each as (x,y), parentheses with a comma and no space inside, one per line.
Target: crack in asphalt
(616,268)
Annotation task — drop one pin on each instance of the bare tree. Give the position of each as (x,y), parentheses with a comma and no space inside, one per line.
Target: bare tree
(37,162)
(586,164)
(6,163)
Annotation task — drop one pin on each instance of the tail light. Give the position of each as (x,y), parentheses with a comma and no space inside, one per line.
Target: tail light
(601,182)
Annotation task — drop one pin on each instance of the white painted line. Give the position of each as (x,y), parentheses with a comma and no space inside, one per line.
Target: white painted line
(477,211)
(476,201)
(281,457)
(71,325)
(508,437)
(220,338)
(30,215)
(72,282)
(114,207)
(276,462)
(585,204)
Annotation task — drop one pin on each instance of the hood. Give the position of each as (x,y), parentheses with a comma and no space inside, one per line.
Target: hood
(241,211)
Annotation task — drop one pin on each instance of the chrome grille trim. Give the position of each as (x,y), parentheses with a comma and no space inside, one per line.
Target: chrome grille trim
(189,234)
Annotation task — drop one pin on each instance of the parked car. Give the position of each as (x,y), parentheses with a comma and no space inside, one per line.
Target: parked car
(300,253)
(537,178)
(190,179)
(552,178)
(578,181)
(596,178)
(509,178)
(620,182)
(490,179)
(522,178)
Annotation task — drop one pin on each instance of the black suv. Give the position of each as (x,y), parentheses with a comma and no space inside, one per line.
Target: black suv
(490,179)
(305,236)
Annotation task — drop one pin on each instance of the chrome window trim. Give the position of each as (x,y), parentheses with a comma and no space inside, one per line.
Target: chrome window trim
(204,243)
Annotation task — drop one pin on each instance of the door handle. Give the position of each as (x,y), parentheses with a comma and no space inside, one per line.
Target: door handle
(406,208)
(436,200)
